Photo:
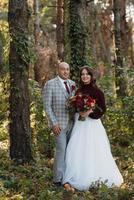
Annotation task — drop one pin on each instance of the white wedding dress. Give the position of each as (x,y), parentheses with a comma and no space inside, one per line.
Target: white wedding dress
(88,157)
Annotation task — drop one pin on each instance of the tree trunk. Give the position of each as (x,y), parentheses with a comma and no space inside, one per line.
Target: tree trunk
(119,67)
(36,22)
(124,30)
(77,34)
(1,59)
(60,29)
(132,47)
(36,37)
(19,127)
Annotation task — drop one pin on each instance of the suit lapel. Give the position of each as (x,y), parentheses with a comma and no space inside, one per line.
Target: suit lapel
(61,87)
(69,83)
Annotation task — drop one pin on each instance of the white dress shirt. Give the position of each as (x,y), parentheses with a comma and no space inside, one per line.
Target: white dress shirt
(62,81)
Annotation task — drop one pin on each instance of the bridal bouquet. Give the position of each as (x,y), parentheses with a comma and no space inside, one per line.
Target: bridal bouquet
(81,103)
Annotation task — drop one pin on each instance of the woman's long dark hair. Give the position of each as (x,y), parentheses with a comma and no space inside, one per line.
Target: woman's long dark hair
(90,72)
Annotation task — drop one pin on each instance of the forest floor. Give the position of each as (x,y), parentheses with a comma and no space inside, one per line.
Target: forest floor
(34,181)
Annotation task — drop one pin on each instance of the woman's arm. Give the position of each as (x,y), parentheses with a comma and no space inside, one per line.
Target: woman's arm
(100,108)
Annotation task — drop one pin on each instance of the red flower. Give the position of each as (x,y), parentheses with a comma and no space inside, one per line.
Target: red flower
(81,103)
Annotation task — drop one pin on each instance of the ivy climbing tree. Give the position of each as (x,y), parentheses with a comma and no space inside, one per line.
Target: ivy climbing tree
(121,86)
(76,34)
(19,127)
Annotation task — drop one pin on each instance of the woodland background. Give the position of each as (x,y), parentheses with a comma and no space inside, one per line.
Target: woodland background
(34,36)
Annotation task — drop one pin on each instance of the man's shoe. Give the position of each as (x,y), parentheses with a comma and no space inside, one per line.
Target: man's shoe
(57,184)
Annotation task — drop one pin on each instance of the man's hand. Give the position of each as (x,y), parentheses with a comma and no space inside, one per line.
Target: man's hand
(56,129)
(85,114)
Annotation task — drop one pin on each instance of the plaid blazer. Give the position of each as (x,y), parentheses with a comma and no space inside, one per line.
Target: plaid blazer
(54,99)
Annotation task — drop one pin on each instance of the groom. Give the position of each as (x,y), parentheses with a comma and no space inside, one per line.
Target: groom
(55,94)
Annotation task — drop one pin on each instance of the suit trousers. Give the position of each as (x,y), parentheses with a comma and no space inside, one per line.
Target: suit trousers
(60,150)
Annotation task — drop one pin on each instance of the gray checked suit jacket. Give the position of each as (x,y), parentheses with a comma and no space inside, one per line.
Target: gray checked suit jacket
(55,98)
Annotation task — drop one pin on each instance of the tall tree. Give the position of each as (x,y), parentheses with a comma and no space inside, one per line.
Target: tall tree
(125,33)
(19,127)
(132,43)
(36,37)
(76,34)
(60,29)
(1,52)
(119,65)
(45,39)
(36,22)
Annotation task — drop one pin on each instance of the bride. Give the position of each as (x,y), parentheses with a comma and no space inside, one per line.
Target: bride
(88,160)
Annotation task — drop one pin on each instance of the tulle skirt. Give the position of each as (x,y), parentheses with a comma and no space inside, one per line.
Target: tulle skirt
(88,157)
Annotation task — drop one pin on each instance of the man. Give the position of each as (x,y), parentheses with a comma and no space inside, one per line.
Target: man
(55,95)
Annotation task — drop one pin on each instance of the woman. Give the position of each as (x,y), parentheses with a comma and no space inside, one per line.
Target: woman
(89,161)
